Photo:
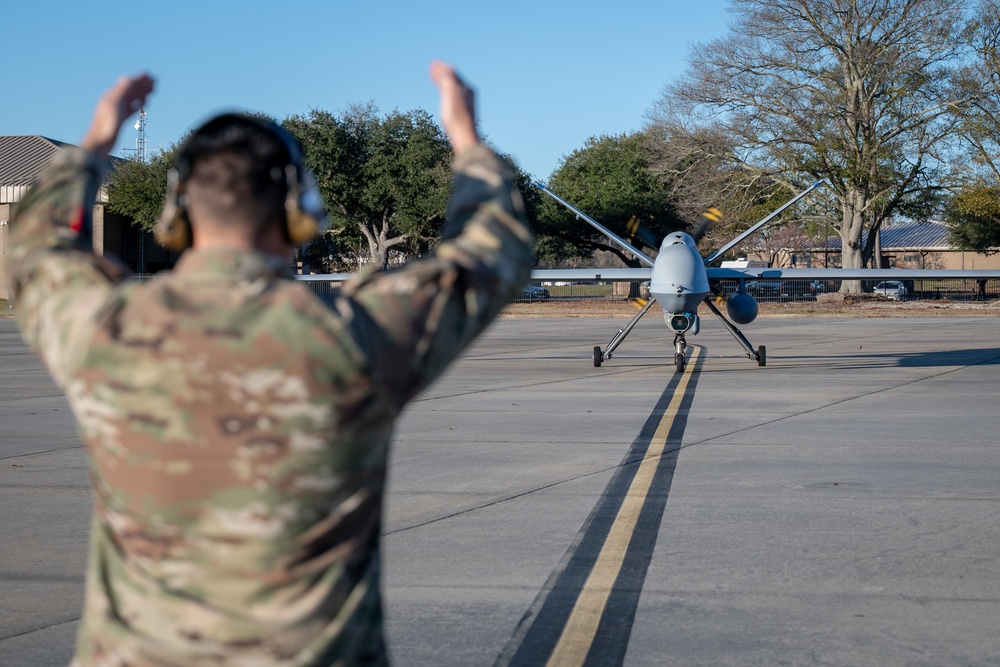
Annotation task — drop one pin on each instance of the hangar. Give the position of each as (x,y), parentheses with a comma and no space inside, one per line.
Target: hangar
(903,245)
(21,160)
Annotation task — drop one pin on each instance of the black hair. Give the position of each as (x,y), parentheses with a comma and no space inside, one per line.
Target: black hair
(234,167)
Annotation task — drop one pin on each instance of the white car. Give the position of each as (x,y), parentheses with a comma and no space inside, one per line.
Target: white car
(891,289)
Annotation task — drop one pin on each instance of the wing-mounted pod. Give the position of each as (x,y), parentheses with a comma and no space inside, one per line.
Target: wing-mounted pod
(741,307)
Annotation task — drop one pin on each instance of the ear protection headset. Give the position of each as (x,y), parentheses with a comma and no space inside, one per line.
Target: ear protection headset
(304,213)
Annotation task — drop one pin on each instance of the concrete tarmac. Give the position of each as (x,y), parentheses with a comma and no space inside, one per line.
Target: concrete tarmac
(838,507)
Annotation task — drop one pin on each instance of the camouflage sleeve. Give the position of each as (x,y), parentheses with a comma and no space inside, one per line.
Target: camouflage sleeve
(55,278)
(413,321)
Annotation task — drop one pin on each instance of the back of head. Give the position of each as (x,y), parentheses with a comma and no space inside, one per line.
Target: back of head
(233,170)
(239,175)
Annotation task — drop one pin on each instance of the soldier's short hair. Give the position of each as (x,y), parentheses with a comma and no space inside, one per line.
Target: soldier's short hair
(237,174)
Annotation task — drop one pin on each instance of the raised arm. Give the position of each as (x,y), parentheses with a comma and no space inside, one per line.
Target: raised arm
(412,322)
(56,280)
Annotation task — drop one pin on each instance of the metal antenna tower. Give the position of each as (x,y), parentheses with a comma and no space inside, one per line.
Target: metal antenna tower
(140,140)
(140,153)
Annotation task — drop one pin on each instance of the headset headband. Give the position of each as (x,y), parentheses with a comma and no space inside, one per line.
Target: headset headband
(304,213)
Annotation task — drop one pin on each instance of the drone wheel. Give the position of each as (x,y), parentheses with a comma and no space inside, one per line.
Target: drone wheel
(679,361)
(598,357)
(761,356)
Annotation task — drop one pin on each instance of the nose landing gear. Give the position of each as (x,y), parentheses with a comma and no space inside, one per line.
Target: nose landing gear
(679,358)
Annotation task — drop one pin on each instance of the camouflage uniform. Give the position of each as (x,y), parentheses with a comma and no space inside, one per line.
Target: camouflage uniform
(238,428)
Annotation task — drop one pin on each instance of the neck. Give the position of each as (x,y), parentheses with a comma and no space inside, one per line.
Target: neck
(272,243)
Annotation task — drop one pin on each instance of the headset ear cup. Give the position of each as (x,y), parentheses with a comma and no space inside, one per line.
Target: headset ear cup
(174,233)
(300,226)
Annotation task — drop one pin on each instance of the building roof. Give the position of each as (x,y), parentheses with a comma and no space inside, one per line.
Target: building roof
(930,235)
(21,158)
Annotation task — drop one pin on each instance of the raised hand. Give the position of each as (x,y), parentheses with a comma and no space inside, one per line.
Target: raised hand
(122,100)
(458,112)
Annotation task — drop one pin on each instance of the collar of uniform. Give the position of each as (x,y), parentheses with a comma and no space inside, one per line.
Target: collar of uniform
(236,263)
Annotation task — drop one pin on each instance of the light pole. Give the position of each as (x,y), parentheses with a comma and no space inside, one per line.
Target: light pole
(3,260)
(826,247)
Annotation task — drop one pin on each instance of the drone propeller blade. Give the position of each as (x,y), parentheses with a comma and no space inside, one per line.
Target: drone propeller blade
(638,232)
(708,217)
(736,241)
(641,233)
(620,242)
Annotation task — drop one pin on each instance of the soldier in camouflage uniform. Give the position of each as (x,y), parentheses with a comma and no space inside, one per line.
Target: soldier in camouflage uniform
(237,428)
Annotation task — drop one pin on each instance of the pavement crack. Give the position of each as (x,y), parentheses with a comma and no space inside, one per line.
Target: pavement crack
(44,451)
(527,385)
(508,498)
(842,401)
(40,628)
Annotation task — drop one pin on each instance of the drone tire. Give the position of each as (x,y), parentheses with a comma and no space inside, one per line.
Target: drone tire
(679,361)
(598,357)
(761,356)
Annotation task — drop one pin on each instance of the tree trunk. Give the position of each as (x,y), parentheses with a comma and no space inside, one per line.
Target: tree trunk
(379,243)
(852,227)
(379,255)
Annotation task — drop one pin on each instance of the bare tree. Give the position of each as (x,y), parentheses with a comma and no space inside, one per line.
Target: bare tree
(779,245)
(861,93)
(981,123)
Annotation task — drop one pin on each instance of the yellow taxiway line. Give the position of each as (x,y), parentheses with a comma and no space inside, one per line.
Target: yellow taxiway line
(581,628)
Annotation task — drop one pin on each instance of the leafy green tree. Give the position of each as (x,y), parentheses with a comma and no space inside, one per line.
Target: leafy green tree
(136,189)
(862,93)
(975,218)
(385,180)
(324,254)
(610,180)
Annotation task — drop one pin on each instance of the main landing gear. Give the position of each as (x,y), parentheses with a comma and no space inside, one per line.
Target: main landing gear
(680,345)
(619,337)
(759,355)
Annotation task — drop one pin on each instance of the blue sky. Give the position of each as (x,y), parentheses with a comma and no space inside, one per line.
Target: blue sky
(548,75)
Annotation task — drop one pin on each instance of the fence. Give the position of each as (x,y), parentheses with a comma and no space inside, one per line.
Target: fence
(765,291)
(772,291)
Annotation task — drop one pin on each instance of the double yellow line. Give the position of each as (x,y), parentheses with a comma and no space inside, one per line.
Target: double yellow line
(581,628)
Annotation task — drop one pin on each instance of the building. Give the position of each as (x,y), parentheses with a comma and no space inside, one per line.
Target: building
(904,245)
(21,159)
(925,245)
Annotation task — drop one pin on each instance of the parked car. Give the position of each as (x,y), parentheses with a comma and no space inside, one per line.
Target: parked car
(532,293)
(893,290)
(765,288)
(797,289)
